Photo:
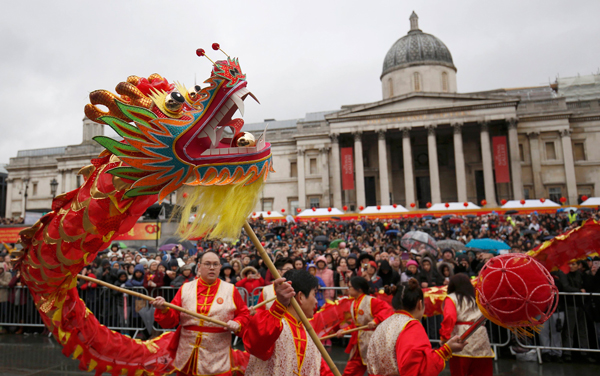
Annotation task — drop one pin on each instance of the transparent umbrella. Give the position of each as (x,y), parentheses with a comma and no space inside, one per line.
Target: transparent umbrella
(417,239)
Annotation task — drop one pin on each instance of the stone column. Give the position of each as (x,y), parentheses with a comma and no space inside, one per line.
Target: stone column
(336,171)
(434,172)
(325,176)
(384,182)
(459,161)
(536,163)
(409,181)
(567,147)
(515,159)
(488,167)
(359,170)
(300,164)
(69,183)
(9,187)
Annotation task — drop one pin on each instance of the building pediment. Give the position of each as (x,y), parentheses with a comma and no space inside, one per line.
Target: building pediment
(424,103)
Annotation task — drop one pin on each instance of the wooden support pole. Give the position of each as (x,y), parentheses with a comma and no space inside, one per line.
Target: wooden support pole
(307,326)
(345,332)
(150,299)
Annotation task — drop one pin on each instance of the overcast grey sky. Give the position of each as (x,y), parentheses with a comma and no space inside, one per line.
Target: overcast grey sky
(299,57)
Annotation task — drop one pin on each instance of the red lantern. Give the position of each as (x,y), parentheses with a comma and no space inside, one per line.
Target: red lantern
(345,208)
(283,210)
(542,200)
(483,202)
(378,207)
(447,205)
(412,204)
(361,208)
(329,210)
(584,198)
(254,214)
(508,298)
(395,206)
(314,209)
(298,210)
(503,202)
(269,212)
(563,200)
(522,202)
(428,205)
(465,204)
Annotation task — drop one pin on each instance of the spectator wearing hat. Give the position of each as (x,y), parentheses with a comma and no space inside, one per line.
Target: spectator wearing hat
(326,275)
(312,269)
(412,270)
(227,274)
(464,266)
(353,264)
(389,277)
(448,257)
(251,279)
(185,276)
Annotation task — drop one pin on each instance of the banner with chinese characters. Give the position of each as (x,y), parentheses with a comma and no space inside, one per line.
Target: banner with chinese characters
(501,159)
(142,231)
(347,169)
(10,234)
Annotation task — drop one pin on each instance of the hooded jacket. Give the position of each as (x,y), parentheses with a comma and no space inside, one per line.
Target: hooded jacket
(326,275)
(137,282)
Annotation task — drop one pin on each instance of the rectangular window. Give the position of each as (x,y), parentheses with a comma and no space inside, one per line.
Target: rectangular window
(555,194)
(550,151)
(267,204)
(313,166)
(78,181)
(34,189)
(521,153)
(527,192)
(314,202)
(293,169)
(293,204)
(579,151)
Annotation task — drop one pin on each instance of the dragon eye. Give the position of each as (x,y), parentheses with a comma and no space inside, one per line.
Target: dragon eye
(174,101)
(193,92)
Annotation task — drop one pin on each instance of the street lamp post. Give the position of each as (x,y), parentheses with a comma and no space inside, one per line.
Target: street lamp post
(53,187)
(26,181)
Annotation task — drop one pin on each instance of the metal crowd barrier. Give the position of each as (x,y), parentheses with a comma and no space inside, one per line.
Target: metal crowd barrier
(574,326)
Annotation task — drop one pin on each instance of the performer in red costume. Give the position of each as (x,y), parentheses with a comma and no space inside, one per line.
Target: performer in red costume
(204,348)
(268,292)
(365,310)
(460,312)
(278,343)
(400,346)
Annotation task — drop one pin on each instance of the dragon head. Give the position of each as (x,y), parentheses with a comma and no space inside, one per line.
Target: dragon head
(175,136)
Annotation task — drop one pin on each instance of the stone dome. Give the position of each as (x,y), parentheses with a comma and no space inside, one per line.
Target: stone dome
(417,48)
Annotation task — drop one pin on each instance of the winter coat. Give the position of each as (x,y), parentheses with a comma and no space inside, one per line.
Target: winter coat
(327,276)
(181,279)
(250,284)
(137,282)
(5,279)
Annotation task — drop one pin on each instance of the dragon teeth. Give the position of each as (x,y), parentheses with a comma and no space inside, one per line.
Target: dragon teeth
(239,103)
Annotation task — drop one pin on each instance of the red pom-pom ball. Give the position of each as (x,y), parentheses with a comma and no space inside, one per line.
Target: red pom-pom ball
(215,46)
(516,291)
(200,52)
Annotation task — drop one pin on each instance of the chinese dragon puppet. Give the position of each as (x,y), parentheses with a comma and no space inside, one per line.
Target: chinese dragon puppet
(173,137)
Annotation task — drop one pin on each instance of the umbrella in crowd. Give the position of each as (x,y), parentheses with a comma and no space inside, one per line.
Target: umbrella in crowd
(448,216)
(335,243)
(454,244)
(278,229)
(455,221)
(186,244)
(470,216)
(487,244)
(415,239)
(269,235)
(322,240)
(167,247)
(392,232)
(509,212)
(529,232)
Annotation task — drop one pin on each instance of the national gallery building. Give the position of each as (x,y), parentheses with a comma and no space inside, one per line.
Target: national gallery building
(423,142)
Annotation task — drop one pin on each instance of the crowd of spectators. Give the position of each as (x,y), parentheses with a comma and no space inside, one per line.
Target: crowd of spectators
(337,250)
(11,221)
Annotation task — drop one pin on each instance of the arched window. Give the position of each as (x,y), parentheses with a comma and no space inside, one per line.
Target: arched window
(391,87)
(444,82)
(417,81)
